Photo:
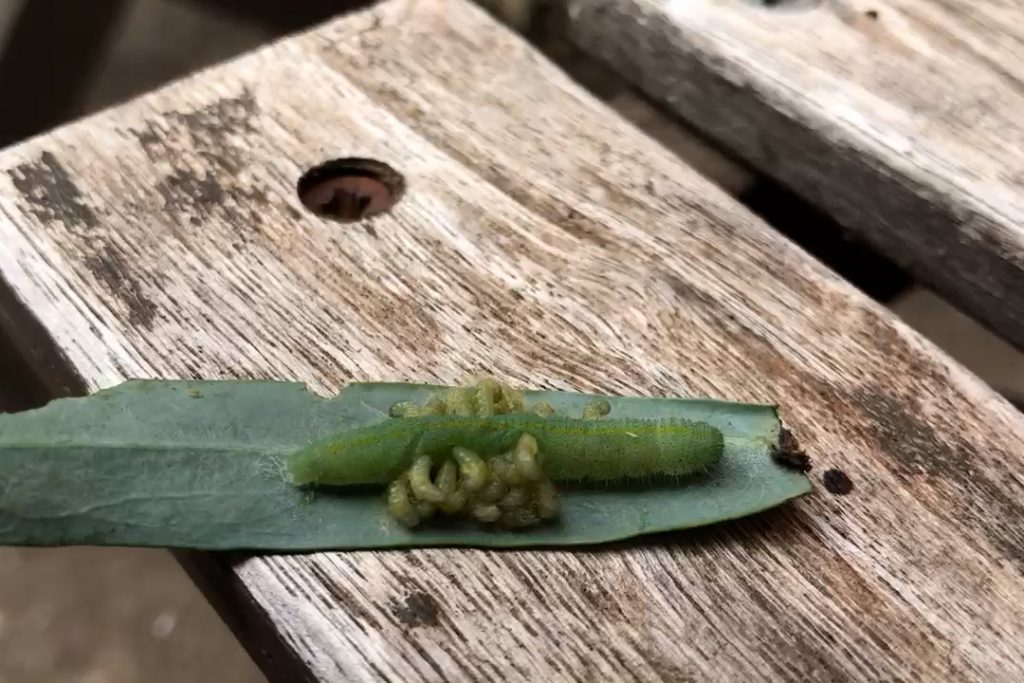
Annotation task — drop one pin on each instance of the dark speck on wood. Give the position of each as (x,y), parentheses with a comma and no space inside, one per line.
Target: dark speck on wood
(837,482)
(418,609)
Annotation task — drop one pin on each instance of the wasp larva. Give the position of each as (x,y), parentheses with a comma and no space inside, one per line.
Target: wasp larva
(399,504)
(486,513)
(447,481)
(419,480)
(472,469)
(493,491)
(524,458)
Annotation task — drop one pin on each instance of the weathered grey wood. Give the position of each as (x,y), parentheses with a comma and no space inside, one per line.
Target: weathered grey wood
(903,118)
(542,239)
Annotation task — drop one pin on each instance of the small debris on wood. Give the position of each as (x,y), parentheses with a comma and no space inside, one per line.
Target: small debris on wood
(789,454)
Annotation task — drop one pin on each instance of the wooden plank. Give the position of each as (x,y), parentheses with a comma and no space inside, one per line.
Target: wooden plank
(545,240)
(902,118)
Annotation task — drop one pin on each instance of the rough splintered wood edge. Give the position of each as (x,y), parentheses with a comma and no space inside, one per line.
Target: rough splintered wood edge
(956,242)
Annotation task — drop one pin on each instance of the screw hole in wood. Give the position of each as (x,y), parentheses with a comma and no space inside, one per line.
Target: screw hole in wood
(350,189)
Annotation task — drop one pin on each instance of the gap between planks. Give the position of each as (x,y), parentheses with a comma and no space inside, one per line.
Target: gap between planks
(901,118)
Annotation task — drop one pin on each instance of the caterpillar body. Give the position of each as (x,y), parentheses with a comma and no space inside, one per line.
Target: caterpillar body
(478,451)
(598,450)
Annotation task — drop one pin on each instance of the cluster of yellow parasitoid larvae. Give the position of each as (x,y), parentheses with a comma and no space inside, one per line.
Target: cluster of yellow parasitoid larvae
(483,397)
(508,489)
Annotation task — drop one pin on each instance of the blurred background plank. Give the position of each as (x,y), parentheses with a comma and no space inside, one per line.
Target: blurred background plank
(899,118)
(55,48)
(51,54)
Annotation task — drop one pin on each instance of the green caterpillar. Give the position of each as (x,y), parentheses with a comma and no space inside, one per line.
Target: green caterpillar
(478,451)
(599,450)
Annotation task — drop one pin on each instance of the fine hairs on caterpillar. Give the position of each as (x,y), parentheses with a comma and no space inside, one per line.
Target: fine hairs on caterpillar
(478,452)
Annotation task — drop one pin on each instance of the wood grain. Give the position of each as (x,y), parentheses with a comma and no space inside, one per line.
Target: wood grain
(902,118)
(542,238)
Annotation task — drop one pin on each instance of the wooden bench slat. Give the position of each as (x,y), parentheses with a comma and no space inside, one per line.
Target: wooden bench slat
(547,241)
(902,118)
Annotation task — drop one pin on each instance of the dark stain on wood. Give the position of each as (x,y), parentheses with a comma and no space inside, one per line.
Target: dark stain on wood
(838,482)
(889,422)
(917,448)
(112,269)
(759,349)
(215,134)
(51,193)
(224,117)
(418,609)
(618,599)
(191,194)
(210,130)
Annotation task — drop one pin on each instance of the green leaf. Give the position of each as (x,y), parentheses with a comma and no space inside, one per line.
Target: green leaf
(201,465)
